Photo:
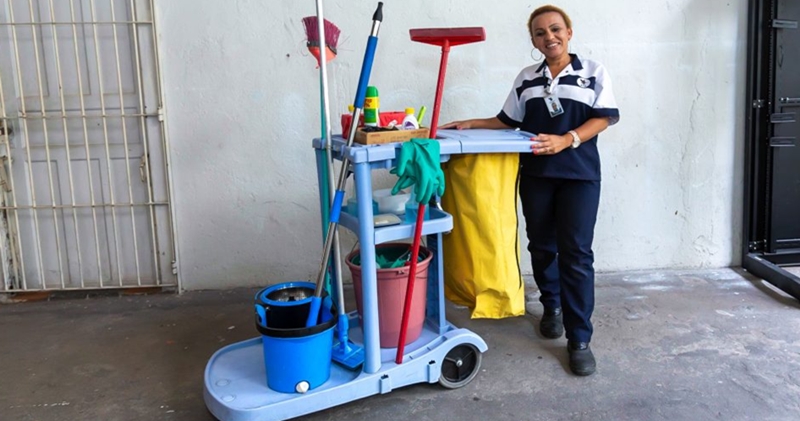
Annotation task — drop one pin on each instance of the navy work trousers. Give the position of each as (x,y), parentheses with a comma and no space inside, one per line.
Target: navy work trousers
(560,216)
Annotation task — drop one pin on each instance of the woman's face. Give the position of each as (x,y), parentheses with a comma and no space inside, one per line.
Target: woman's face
(551,35)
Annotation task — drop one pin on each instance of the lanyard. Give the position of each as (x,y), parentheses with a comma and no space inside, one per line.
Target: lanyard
(551,84)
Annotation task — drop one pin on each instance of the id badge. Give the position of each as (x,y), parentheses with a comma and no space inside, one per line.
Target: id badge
(553,106)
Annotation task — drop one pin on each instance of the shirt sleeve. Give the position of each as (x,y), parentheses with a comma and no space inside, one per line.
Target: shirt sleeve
(605,105)
(513,111)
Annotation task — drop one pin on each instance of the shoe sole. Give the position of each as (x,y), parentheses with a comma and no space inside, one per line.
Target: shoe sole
(553,336)
(586,371)
(559,329)
(583,373)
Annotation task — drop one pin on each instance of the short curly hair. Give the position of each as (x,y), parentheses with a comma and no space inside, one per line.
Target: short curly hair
(547,9)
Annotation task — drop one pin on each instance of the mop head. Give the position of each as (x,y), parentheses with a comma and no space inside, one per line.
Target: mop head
(313,40)
(345,352)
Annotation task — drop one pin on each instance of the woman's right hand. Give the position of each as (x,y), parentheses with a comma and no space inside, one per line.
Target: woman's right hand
(459,125)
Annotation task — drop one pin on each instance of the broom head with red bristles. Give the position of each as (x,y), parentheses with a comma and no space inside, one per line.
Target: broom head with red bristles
(312,35)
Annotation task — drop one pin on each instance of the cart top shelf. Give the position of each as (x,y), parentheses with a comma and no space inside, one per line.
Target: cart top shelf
(452,142)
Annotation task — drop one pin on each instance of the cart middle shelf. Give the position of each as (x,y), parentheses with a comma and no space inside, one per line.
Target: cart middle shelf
(439,221)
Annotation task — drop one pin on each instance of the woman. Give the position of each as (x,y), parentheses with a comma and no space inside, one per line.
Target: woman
(567,102)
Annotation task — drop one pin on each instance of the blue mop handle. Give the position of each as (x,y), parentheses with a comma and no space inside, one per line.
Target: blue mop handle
(343,328)
(361,93)
(369,57)
(336,208)
(363,80)
(358,104)
(313,311)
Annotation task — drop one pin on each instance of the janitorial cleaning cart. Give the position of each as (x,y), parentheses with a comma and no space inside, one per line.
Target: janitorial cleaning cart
(311,355)
(235,385)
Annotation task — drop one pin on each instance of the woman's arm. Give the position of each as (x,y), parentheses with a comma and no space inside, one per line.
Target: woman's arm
(477,123)
(550,144)
(591,128)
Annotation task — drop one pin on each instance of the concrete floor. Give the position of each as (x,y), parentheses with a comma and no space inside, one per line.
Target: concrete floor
(675,345)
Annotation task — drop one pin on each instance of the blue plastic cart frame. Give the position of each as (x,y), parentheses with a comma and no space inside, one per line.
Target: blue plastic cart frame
(235,382)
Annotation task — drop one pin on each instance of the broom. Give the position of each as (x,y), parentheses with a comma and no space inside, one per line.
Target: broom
(326,50)
(331,33)
(344,351)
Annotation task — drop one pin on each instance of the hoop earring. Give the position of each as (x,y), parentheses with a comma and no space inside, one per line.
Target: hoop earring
(540,53)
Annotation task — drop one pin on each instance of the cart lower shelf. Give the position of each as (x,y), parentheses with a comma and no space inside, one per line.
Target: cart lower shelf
(236,385)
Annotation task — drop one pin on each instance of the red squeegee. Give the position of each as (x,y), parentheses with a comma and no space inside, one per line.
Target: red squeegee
(454,36)
(445,38)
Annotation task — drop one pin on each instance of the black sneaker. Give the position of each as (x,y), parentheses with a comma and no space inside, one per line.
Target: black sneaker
(552,323)
(581,359)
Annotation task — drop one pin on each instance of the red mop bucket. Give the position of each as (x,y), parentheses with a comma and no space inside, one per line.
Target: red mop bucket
(392,285)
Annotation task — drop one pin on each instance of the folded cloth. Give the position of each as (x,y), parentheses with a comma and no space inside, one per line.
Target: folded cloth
(418,165)
(388,258)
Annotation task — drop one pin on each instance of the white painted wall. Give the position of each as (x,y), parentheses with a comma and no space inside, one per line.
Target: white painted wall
(242,99)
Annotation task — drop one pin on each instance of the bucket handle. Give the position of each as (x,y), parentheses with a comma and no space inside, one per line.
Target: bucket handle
(261,316)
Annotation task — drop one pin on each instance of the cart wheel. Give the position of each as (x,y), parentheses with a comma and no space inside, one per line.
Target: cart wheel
(460,366)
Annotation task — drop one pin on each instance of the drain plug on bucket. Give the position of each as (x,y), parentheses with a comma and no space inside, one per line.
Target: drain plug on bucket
(302,387)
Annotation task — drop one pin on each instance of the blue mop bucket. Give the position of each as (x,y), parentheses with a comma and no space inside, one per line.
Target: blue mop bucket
(297,358)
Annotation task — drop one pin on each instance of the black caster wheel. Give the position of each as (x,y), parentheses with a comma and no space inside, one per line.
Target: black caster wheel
(460,366)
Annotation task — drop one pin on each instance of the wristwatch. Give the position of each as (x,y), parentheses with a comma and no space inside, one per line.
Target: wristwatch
(576,140)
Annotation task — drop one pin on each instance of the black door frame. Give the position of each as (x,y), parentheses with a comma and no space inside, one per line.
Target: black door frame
(756,256)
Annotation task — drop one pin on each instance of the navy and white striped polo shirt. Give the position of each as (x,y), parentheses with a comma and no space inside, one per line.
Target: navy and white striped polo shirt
(584,89)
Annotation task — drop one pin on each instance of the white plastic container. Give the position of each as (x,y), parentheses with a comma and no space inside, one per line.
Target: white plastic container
(388,203)
(409,122)
(352,206)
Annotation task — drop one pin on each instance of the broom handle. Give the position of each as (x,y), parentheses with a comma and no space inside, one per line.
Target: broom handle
(326,108)
(323,72)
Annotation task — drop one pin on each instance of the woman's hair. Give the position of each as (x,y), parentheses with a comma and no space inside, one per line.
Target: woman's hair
(547,9)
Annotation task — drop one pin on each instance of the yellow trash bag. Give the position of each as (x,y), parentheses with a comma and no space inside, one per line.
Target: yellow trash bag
(481,254)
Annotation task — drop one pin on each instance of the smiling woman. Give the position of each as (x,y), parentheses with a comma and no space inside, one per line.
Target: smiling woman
(551,35)
(567,101)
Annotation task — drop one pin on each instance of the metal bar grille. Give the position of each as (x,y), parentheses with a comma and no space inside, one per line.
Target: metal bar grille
(31,115)
(118,22)
(80,83)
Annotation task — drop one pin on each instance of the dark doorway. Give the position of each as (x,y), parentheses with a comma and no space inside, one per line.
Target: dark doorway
(772,154)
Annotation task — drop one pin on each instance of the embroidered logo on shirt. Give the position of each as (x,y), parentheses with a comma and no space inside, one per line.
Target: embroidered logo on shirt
(584,83)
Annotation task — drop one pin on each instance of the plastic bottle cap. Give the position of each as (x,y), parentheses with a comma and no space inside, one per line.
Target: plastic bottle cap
(409,110)
(372,91)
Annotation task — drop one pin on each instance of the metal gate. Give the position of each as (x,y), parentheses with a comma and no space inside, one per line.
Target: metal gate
(84,182)
(772,188)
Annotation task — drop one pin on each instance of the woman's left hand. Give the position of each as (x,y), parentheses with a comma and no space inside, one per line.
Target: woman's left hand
(549,144)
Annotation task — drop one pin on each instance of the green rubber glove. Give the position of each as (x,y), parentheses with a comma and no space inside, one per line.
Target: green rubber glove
(431,174)
(405,158)
(418,165)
